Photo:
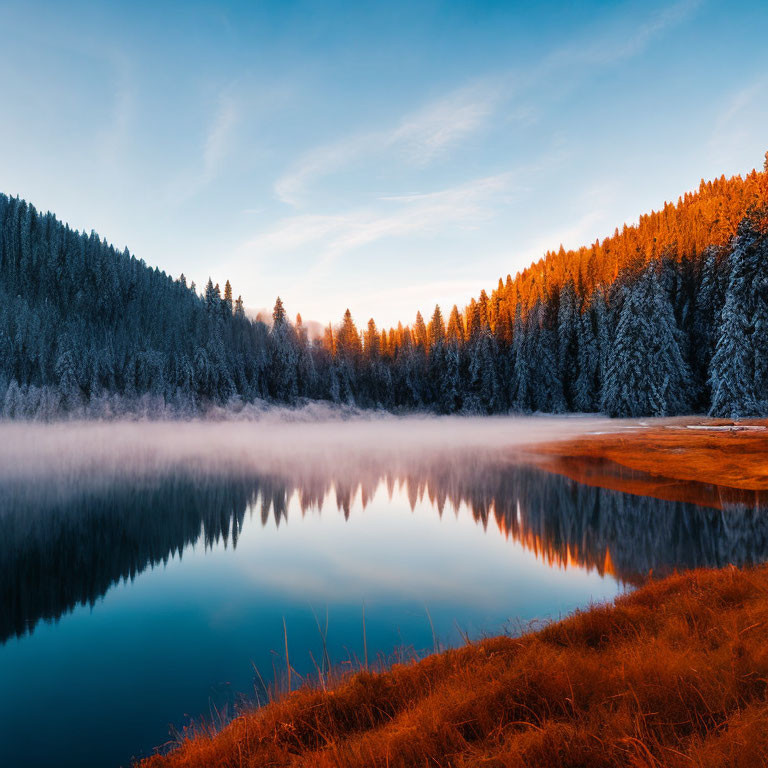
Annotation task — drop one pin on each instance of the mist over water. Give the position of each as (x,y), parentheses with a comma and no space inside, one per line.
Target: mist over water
(281,441)
(144,567)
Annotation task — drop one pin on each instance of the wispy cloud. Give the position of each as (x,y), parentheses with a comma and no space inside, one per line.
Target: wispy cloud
(419,137)
(219,137)
(319,233)
(292,186)
(215,149)
(666,19)
(616,46)
(464,205)
(662,21)
(445,122)
(110,143)
(430,131)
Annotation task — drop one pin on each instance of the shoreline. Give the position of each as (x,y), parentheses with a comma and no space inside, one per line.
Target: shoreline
(671,674)
(710,462)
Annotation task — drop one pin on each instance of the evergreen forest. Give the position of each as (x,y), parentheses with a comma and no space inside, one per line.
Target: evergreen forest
(668,316)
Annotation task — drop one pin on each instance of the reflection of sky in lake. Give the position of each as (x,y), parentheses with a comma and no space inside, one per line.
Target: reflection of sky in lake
(105,682)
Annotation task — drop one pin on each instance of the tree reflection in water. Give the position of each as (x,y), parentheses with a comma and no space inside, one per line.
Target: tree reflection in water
(66,541)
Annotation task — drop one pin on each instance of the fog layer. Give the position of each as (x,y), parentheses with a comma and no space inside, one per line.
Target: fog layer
(103,451)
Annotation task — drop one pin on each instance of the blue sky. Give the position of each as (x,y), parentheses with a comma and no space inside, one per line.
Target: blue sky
(381,157)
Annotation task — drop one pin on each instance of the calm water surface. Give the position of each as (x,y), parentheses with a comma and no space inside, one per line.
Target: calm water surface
(131,602)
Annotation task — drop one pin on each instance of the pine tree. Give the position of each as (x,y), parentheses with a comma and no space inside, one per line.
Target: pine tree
(604,341)
(502,330)
(407,374)
(211,297)
(279,316)
(420,335)
(587,386)
(436,330)
(671,373)
(227,302)
(348,344)
(443,376)
(474,321)
(760,328)
(455,330)
(329,340)
(567,341)
(301,331)
(306,369)
(371,342)
(489,392)
(647,375)
(450,382)
(520,386)
(736,362)
(283,358)
(706,318)
(482,317)
(66,373)
(547,385)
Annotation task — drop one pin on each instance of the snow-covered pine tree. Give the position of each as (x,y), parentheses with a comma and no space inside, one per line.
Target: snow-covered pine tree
(450,384)
(473,402)
(227,304)
(670,375)
(283,357)
(212,297)
(603,340)
(587,383)
(732,372)
(486,386)
(546,383)
(760,322)
(646,375)
(520,384)
(568,317)
(66,373)
(706,319)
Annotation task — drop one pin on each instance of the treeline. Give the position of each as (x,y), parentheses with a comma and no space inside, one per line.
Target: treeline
(666,317)
(707,217)
(81,322)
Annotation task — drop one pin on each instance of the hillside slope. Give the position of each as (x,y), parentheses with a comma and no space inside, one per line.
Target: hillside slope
(706,218)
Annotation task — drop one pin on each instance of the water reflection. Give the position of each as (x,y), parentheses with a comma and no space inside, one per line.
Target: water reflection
(67,540)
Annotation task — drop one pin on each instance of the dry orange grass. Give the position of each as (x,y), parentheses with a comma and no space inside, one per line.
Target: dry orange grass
(675,674)
(671,462)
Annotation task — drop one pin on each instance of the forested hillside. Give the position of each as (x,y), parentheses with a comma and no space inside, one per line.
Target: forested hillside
(669,316)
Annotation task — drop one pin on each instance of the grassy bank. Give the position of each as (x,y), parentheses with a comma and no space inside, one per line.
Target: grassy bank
(706,461)
(674,674)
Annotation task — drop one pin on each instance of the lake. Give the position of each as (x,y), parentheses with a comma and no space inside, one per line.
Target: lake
(151,573)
